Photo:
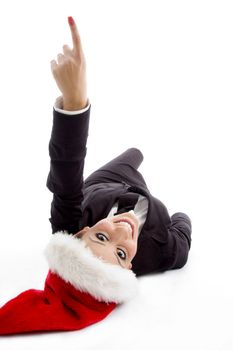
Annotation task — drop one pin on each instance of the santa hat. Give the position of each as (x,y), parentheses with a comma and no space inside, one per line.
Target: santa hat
(80,289)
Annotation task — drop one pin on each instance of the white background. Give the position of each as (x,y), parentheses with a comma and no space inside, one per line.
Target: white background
(159,78)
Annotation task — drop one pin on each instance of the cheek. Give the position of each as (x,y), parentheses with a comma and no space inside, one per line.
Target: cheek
(102,225)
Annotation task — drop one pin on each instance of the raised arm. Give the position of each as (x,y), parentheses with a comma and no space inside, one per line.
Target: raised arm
(67,146)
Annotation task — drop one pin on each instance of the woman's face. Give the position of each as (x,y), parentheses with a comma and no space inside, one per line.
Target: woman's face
(113,239)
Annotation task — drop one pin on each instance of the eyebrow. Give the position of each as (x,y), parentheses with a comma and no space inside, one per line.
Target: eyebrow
(99,242)
(119,260)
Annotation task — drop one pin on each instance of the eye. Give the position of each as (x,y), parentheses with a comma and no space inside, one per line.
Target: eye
(121,254)
(101,237)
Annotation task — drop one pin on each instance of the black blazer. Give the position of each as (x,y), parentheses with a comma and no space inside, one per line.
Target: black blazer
(164,241)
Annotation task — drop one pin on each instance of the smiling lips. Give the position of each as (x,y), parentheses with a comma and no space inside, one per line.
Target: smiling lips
(127,222)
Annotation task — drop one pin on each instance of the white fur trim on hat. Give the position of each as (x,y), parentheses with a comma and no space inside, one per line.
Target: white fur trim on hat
(75,263)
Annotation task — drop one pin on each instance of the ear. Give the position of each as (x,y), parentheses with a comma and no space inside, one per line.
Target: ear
(82,232)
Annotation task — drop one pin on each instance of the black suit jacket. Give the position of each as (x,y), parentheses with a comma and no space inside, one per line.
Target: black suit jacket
(164,241)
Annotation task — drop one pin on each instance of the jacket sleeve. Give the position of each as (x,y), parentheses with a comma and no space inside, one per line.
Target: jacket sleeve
(67,151)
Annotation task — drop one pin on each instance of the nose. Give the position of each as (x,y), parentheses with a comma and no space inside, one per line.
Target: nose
(123,230)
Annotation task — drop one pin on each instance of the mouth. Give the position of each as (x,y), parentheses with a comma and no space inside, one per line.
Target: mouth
(128,223)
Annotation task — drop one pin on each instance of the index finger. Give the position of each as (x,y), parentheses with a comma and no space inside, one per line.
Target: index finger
(74,33)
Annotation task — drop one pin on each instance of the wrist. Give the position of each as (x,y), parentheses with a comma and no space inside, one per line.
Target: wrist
(73,105)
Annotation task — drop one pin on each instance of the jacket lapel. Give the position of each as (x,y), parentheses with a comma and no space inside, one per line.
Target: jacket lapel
(100,198)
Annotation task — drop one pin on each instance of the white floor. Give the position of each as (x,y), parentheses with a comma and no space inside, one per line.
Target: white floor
(160,78)
(187,308)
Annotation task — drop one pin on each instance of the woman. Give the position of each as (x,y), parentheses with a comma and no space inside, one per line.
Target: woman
(107,229)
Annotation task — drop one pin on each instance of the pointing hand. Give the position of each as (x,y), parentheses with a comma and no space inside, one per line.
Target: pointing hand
(69,72)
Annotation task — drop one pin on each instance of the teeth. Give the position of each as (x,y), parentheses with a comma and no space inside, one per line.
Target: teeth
(126,224)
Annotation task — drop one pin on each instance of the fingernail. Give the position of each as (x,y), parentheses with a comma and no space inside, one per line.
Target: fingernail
(70,20)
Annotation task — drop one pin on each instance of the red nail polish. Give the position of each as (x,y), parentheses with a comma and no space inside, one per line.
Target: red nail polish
(70,20)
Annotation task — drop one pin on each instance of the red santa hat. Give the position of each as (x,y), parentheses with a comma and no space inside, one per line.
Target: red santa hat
(80,289)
